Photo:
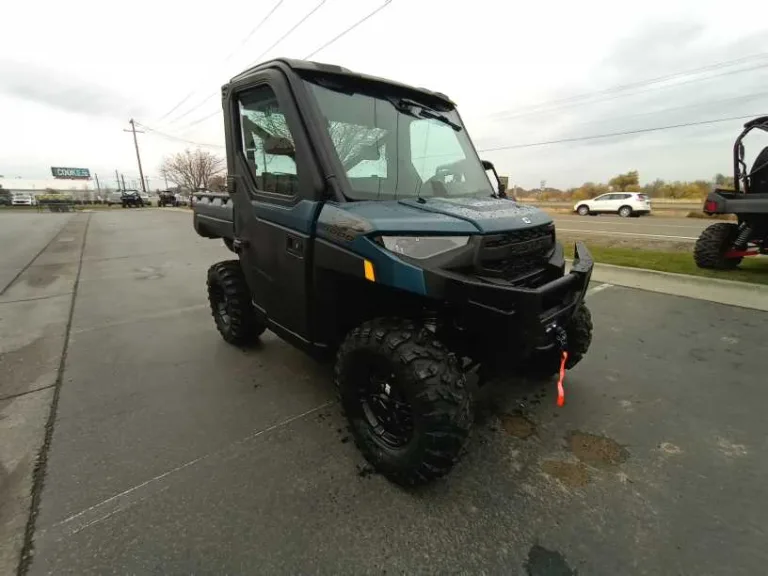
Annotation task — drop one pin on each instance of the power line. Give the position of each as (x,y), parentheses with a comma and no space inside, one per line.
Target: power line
(226,59)
(355,25)
(749,96)
(258,59)
(317,50)
(171,137)
(609,135)
(593,97)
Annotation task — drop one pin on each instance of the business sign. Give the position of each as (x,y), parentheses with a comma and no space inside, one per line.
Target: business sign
(71,173)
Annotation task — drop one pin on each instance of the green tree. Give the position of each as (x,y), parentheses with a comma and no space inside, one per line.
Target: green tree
(629,182)
(589,190)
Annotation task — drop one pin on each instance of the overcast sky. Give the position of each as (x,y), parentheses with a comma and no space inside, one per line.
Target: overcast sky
(72,74)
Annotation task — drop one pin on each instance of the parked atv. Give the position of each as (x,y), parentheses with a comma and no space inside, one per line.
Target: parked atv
(166,198)
(724,245)
(131,199)
(368,232)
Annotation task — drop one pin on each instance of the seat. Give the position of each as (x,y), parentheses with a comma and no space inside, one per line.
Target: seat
(758,175)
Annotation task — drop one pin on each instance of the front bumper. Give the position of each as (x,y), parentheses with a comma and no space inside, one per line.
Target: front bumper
(531,313)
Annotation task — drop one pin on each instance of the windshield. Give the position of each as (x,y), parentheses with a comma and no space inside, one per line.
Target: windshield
(393,147)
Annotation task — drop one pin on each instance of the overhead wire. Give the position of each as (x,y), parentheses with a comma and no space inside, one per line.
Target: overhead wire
(314,52)
(226,59)
(612,134)
(614,93)
(258,59)
(178,139)
(355,25)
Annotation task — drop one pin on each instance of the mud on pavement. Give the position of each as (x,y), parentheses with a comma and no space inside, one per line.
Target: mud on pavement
(35,313)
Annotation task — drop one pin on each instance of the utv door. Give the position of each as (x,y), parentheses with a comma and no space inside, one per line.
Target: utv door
(272,180)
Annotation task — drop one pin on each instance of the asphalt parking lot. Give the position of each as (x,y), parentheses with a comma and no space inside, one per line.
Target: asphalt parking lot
(172,452)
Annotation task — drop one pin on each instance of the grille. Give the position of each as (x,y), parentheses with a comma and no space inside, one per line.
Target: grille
(517,254)
(525,235)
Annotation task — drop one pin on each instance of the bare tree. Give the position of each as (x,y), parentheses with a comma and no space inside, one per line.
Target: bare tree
(192,170)
(350,140)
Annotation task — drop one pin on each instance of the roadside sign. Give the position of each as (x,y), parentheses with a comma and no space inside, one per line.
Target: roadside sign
(71,173)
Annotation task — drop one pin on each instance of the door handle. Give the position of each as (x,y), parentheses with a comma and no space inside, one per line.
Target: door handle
(294,245)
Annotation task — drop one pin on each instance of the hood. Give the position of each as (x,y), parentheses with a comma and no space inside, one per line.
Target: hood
(435,216)
(488,215)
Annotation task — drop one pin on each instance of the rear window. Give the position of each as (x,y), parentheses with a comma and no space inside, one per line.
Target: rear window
(642,197)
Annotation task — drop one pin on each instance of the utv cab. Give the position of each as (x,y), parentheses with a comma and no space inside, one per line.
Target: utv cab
(367,232)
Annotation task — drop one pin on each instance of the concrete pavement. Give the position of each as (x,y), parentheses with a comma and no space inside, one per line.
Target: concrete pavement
(39,259)
(173,452)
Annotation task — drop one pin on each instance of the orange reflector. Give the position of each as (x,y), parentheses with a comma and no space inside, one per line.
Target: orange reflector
(369,274)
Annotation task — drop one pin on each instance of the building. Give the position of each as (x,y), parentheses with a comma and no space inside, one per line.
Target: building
(78,189)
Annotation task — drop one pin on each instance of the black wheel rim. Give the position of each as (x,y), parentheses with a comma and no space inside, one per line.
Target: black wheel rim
(385,408)
(221,307)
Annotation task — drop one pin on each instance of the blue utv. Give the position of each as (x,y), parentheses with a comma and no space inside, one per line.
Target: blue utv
(367,231)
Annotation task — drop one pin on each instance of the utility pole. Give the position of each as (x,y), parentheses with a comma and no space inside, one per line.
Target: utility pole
(122,177)
(98,188)
(117,177)
(138,156)
(166,181)
(148,187)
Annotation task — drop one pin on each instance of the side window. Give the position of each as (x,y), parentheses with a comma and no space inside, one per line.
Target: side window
(624,196)
(267,142)
(601,198)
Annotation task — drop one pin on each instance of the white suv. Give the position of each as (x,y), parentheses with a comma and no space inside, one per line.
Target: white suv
(625,204)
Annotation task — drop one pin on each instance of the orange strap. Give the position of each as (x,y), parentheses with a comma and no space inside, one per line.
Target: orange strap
(560,389)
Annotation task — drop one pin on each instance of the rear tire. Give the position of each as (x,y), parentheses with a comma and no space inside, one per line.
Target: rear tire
(546,364)
(231,307)
(711,247)
(625,211)
(583,210)
(405,398)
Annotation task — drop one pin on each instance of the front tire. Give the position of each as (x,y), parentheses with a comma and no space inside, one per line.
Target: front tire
(579,334)
(713,244)
(231,307)
(583,210)
(405,398)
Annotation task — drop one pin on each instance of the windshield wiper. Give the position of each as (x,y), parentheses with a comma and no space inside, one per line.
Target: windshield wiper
(427,113)
(405,105)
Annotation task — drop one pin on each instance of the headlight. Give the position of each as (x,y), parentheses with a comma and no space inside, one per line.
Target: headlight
(421,247)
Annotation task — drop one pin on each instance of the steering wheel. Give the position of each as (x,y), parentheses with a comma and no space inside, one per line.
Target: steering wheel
(439,182)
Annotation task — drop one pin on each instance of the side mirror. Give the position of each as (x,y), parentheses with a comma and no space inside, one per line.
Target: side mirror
(279,146)
(501,188)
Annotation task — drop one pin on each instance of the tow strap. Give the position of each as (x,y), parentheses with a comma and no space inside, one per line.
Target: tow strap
(562,341)
(560,389)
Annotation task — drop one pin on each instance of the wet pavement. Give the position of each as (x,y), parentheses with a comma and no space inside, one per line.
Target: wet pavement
(173,452)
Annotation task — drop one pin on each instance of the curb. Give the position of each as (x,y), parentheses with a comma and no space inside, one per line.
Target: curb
(730,292)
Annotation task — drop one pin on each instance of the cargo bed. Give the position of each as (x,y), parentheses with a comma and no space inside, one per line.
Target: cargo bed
(213,216)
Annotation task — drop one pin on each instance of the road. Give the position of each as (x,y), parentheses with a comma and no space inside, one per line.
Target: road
(648,227)
(172,452)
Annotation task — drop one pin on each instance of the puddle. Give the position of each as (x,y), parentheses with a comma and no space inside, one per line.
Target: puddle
(570,473)
(42,276)
(597,450)
(543,562)
(517,425)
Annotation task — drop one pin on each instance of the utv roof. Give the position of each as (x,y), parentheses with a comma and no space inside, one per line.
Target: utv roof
(333,70)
